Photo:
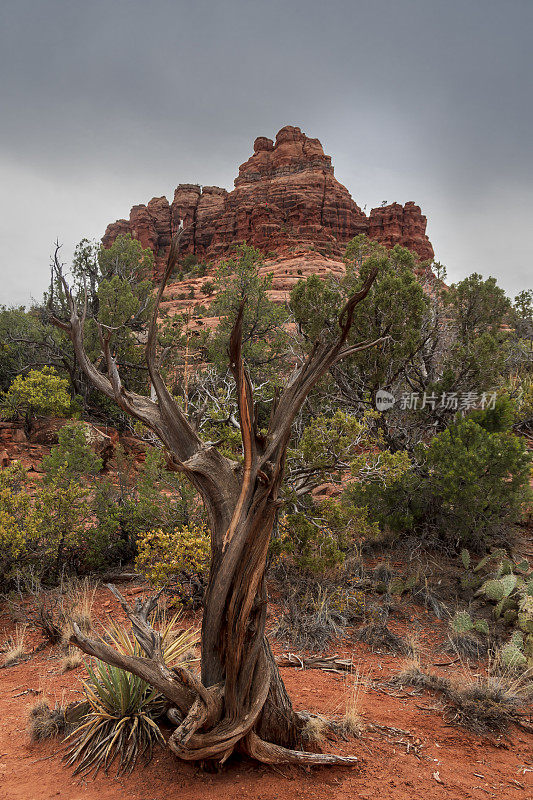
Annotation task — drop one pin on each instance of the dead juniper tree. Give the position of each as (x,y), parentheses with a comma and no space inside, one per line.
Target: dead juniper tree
(240,702)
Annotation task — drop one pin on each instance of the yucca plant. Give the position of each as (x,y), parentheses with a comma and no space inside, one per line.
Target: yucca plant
(121,708)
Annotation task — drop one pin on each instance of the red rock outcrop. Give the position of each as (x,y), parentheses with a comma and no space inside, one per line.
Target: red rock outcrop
(15,445)
(286,198)
(403,225)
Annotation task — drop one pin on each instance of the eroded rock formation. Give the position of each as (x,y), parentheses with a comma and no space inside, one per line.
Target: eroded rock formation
(286,201)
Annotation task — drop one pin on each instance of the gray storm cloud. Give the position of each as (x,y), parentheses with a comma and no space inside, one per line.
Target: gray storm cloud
(107,104)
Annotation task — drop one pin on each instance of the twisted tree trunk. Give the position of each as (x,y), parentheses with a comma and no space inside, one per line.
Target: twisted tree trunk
(239,703)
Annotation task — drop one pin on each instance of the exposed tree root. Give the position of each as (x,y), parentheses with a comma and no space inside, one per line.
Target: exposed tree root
(269,753)
(205,731)
(327,664)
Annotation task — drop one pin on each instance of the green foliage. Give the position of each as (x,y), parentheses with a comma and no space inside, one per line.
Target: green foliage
(523,303)
(208,287)
(145,498)
(396,296)
(480,477)
(25,340)
(56,526)
(167,556)
(474,339)
(121,709)
(44,534)
(126,259)
(73,522)
(455,340)
(331,446)
(115,286)
(310,544)
(264,339)
(14,510)
(39,392)
(320,538)
(498,419)
(73,457)
(117,302)
(464,487)
(479,306)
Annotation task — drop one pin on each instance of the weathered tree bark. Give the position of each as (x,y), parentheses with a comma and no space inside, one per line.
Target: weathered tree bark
(240,702)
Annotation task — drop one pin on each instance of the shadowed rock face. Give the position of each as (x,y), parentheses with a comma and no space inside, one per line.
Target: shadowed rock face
(286,199)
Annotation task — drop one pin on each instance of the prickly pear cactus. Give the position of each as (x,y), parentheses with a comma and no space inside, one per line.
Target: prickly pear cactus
(509,586)
(512,657)
(525,622)
(481,626)
(470,581)
(522,566)
(397,586)
(462,622)
(493,589)
(510,616)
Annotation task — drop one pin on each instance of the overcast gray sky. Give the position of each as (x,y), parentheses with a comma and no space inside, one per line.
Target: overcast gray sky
(108,103)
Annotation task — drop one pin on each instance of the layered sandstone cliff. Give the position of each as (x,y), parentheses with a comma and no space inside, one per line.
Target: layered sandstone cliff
(286,202)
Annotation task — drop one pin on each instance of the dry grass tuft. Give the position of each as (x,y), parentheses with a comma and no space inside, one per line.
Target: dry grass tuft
(484,704)
(80,602)
(413,675)
(72,660)
(380,637)
(488,703)
(15,647)
(315,730)
(56,610)
(466,645)
(45,723)
(355,688)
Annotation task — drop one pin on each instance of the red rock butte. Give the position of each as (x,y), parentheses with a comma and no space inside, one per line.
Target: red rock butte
(286,202)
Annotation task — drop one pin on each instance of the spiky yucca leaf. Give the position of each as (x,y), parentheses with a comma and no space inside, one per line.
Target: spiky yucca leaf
(120,723)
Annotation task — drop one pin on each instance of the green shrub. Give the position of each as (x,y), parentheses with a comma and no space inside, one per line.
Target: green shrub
(43,535)
(166,556)
(208,288)
(14,510)
(73,456)
(498,418)
(39,392)
(464,488)
(311,545)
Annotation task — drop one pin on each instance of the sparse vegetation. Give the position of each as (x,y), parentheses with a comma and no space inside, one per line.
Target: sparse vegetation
(484,704)
(14,647)
(122,709)
(46,722)
(367,510)
(355,686)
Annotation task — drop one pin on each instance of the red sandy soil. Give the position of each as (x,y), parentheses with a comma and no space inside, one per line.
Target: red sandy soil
(406,750)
